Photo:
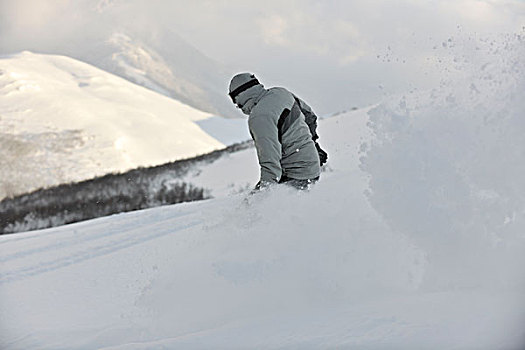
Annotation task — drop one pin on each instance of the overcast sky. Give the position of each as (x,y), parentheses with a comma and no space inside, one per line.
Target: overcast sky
(334,54)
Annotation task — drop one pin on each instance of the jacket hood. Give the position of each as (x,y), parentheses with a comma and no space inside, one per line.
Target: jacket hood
(249,98)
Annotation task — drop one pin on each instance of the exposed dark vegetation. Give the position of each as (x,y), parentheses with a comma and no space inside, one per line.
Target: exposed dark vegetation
(109,194)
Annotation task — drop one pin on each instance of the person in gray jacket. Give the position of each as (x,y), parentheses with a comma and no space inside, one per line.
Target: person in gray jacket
(283,128)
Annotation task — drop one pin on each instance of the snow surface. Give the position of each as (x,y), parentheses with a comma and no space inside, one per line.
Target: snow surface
(277,270)
(63,120)
(413,239)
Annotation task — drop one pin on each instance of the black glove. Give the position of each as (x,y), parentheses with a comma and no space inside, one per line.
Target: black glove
(323,156)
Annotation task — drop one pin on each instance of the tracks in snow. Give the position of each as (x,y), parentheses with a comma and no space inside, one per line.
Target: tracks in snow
(27,255)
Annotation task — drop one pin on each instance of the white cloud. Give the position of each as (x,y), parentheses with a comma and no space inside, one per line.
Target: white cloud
(273,30)
(307,33)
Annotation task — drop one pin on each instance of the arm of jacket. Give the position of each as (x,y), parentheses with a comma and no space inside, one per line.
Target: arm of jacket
(263,128)
(309,116)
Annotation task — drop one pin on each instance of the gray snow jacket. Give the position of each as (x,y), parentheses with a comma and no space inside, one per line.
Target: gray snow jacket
(293,153)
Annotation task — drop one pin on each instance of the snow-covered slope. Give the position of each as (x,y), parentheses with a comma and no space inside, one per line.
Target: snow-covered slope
(63,120)
(277,270)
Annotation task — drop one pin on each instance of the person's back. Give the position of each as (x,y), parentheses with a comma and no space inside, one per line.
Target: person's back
(284,141)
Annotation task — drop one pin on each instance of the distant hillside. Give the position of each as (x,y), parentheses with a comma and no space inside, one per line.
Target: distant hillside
(110,194)
(165,63)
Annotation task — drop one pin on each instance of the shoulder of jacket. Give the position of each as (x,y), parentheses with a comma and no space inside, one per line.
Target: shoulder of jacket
(272,103)
(279,90)
(279,95)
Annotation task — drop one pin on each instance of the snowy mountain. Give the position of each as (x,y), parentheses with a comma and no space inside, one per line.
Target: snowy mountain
(63,120)
(163,62)
(123,38)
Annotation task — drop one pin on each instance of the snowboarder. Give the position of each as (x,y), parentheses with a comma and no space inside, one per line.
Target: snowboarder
(283,128)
